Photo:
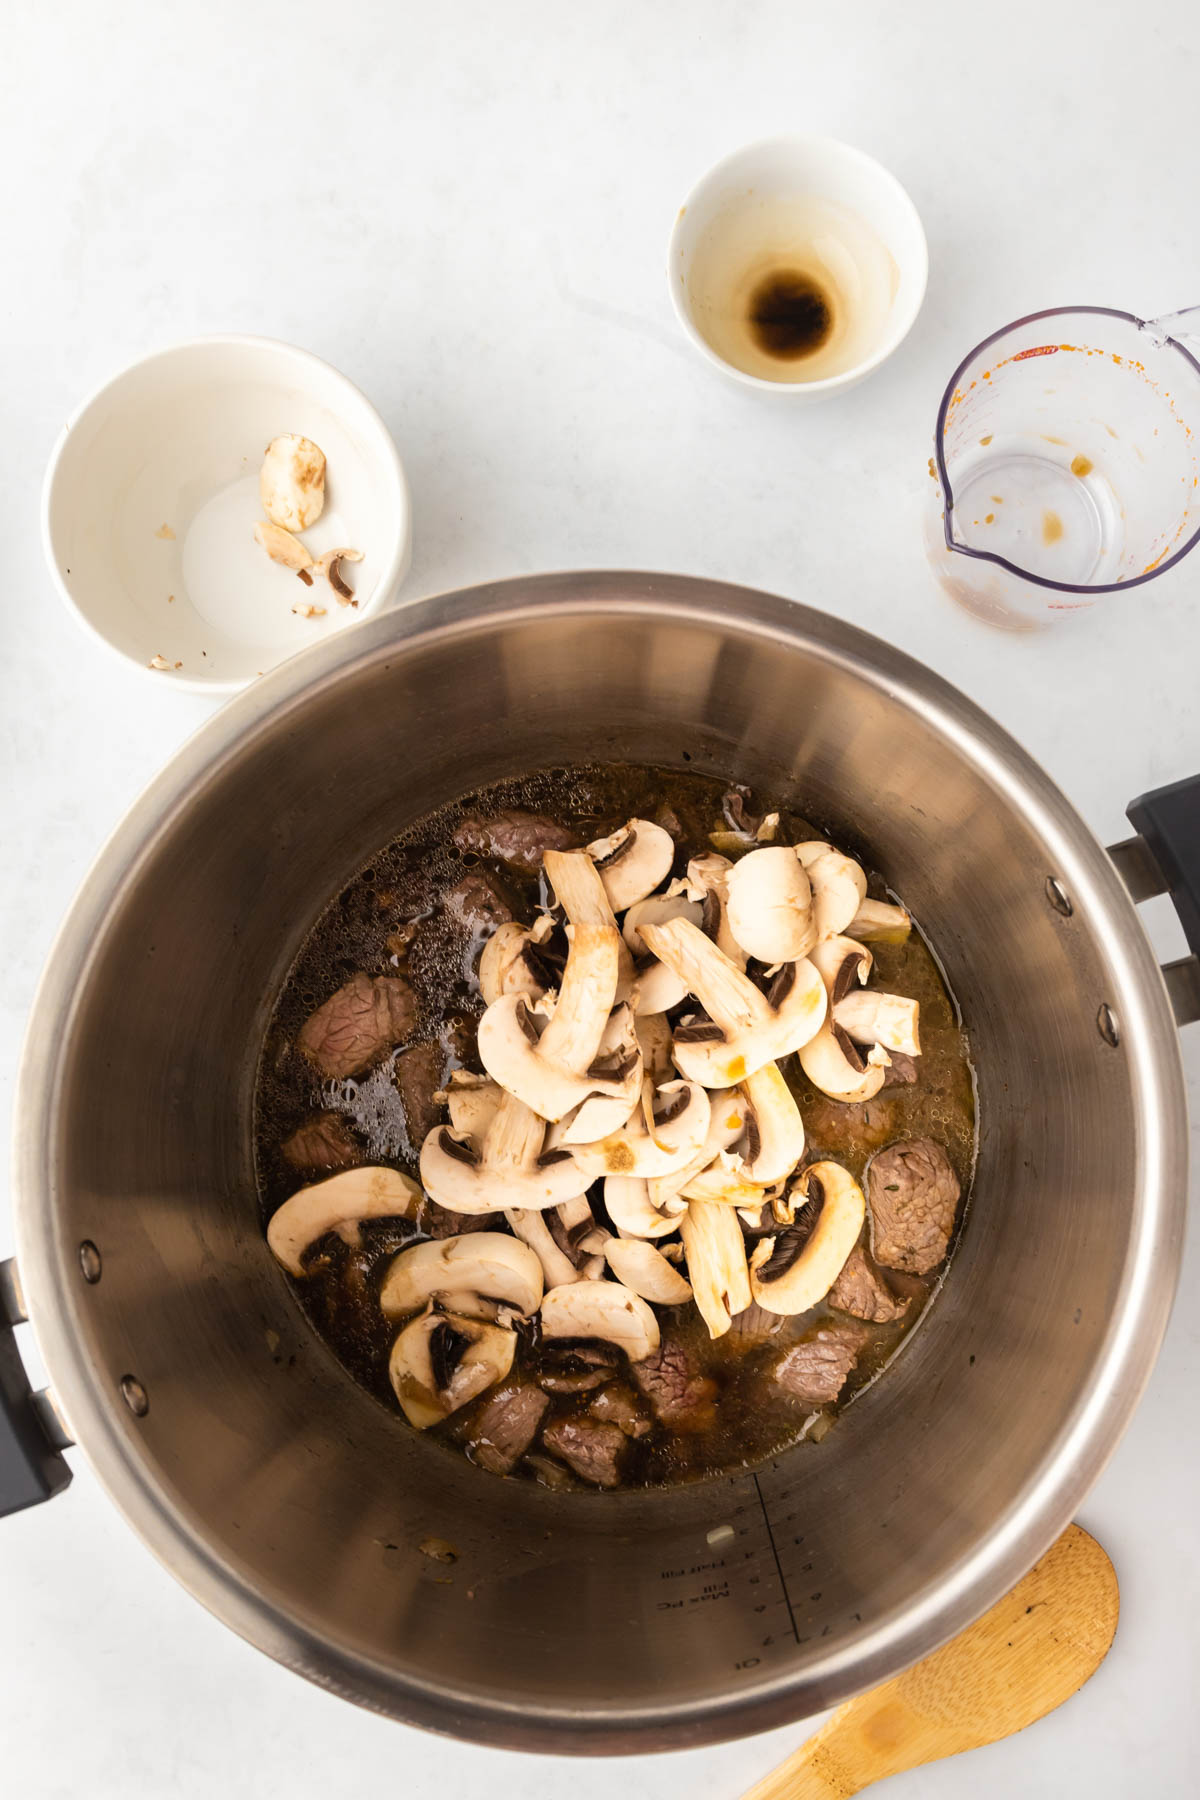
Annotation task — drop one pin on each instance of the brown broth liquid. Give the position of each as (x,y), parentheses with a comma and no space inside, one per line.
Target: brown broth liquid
(362,928)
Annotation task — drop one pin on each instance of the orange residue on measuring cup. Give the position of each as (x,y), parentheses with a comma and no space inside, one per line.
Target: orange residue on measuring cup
(1081,466)
(987,439)
(1052,527)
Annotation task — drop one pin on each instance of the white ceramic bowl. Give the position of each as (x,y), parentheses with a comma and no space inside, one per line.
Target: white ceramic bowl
(815,203)
(151,498)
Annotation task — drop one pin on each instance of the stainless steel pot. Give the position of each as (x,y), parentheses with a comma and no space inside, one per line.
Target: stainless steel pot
(287,1499)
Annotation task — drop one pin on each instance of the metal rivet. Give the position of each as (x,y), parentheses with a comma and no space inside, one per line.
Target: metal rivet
(1058,896)
(89,1261)
(1106,1025)
(135,1396)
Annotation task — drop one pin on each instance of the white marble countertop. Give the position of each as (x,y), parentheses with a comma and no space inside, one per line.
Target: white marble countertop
(466,209)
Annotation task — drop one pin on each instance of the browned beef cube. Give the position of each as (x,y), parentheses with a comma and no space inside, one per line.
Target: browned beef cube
(322,1144)
(593,1449)
(861,1291)
(359,1024)
(913,1195)
(616,1406)
(419,1077)
(815,1370)
(478,903)
(511,836)
(506,1427)
(903,1072)
(679,1395)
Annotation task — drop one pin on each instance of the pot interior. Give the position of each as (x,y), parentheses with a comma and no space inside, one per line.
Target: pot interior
(292,1501)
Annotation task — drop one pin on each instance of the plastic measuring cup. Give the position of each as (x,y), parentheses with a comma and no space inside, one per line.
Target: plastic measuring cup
(1067,463)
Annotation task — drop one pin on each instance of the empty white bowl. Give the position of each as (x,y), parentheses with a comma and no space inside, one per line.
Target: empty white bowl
(151,498)
(798,206)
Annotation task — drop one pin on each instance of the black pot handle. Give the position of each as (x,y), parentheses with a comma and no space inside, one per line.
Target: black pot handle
(32,1438)
(1164,858)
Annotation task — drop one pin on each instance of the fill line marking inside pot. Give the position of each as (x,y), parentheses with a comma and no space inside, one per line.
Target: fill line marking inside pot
(787,1598)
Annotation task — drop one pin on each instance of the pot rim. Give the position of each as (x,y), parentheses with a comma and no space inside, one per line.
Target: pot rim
(1088,1434)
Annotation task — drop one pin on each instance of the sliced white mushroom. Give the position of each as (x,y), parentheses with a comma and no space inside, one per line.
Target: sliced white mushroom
(725,1183)
(646,1271)
(503,966)
(653,1034)
(632,861)
(707,881)
(832,1060)
(680,1114)
(766,1151)
(486,1264)
(735,840)
(873,1018)
(603,1113)
(576,1213)
(551,1070)
(716,1263)
(532,1229)
(657,988)
(283,548)
(726,1124)
(748,1028)
(770,905)
(510,1167)
(832,1063)
(581,893)
(787,1283)
(839,886)
(880,920)
(601,1309)
(627,1203)
(442,1360)
(653,910)
(472,1101)
(891,1020)
(291,482)
(337,1205)
(598,1117)
(775,1130)
(329,564)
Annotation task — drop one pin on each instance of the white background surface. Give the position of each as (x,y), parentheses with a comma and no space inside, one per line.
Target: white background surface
(466,209)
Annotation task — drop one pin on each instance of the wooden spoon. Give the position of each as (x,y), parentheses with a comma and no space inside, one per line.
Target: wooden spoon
(1031,1652)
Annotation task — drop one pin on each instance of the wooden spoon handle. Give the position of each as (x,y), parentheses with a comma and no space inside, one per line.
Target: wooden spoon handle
(1024,1657)
(860,1744)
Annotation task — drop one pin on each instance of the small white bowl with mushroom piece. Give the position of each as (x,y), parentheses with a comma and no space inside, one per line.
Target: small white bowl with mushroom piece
(195,506)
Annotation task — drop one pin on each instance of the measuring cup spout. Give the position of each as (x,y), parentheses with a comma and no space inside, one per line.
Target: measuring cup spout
(1176,327)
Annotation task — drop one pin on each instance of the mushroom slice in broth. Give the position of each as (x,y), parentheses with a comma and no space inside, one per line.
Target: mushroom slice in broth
(622,1180)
